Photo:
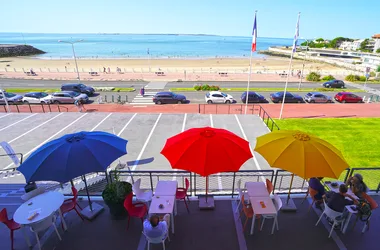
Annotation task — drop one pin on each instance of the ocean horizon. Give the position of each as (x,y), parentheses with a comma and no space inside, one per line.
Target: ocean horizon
(155,46)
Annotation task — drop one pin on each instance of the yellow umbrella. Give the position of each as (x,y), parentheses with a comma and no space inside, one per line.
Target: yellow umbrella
(301,154)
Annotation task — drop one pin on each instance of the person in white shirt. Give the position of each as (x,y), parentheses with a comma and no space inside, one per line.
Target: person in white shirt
(154,228)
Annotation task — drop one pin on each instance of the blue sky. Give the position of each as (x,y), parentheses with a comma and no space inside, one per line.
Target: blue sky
(276,18)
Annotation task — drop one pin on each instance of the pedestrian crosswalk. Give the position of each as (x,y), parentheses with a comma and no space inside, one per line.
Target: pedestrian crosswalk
(147,99)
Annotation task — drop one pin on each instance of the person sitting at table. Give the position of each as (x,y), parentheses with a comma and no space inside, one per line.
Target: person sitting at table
(315,183)
(357,185)
(154,227)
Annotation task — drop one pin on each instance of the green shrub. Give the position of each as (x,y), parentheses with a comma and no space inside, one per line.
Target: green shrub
(362,78)
(328,78)
(214,88)
(352,78)
(205,87)
(378,69)
(372,74)
(324,89)
(197,87)
(313,77)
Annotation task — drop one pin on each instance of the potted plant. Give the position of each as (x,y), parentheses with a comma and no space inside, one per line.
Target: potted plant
(114,195)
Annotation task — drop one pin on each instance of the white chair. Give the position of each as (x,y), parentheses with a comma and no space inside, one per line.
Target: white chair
(33,193)
(43,225)
(278,205)
(332,215)
(141,195)
(162,238)
(241,193)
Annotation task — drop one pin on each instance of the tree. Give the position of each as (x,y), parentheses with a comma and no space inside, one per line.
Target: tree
(335,43)
(378,69)
(364,44)
(320,40)
(378,50)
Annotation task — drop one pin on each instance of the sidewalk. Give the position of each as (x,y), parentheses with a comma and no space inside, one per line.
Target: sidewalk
(362,87)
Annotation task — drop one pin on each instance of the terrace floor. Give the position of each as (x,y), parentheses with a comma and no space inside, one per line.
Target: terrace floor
(215,229)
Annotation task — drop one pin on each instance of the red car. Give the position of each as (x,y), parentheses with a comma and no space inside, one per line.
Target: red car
(348,97)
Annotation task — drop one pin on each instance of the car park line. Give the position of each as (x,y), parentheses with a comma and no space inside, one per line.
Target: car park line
(144,146)
(4,115)
(31,130)
(220,186)
(48,139)
(126,125)
(17,122)
(105,118)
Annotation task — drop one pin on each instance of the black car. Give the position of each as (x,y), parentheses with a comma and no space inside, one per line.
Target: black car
(168,97)
(289,97)
(253,97)
(334,84)
(78,87)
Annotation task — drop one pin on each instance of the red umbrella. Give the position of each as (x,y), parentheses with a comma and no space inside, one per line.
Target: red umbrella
(207,151)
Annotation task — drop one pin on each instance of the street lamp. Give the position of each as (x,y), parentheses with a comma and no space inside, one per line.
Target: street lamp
(303,64)
(75,59)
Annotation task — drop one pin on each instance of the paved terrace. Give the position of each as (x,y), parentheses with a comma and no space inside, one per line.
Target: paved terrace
(202,230)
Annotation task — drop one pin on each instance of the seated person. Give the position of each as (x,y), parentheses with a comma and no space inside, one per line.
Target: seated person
(338,201)
(357,185)
(154,228)
(315,183)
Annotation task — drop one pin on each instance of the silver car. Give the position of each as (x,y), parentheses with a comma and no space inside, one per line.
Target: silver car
(11,98)
(316,97)
(68,97)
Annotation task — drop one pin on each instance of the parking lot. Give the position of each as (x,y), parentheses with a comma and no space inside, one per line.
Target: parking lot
(146,134)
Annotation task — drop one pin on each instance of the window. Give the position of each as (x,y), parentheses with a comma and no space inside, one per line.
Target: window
(223,95)
(309,94)
(288,95)
(59,95)
(318,96)
(28,95)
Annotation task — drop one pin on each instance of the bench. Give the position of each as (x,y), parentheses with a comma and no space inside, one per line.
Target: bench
(28,73)
(223,74)
(160,73)
(93,73)
(283,75)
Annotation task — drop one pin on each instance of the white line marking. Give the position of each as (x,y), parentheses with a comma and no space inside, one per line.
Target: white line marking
(183,129)
(139,106)
(18,137)
(105,118)
(145,144)
(253,153)
(122,130)
(17,122)
(220,186)
(4,115)
(48,139)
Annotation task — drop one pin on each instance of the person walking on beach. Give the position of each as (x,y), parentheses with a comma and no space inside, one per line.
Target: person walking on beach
(104,70)
(109,70)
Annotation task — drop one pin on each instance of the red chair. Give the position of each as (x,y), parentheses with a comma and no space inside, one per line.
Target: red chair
(71,204)
(10,223)
(137,209)
(181,193)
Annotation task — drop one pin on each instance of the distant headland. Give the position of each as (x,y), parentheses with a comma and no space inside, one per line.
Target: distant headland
(10,50)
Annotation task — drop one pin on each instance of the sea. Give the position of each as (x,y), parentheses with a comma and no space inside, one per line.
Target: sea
(93,46)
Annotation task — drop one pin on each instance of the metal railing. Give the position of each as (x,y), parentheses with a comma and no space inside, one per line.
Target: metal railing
(371,177)
(36,108)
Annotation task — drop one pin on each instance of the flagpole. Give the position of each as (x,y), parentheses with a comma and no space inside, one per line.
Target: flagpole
(250,72)
(290,64)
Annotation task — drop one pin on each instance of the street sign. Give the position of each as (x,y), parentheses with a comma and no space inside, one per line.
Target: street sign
(368,69)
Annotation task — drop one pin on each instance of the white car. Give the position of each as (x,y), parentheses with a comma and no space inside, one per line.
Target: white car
(37,97)
(218,97)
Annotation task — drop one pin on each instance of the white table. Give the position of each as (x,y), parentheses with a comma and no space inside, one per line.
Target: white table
(270,209)
(46,204)
(335,189)
(169,204)
(256,189)
(166,188)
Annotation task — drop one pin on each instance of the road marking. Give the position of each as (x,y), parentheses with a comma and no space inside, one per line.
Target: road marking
(105,118)
(139,106)
(183,129)
(51,137)
(17,122)
(18,137)
(145,144)
(250,148)
(220,186)
(122,130)
(4,115)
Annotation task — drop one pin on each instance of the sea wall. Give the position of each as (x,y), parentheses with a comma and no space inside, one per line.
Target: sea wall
(9,50)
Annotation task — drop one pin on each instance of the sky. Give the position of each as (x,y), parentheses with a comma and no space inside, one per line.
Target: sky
(275,18)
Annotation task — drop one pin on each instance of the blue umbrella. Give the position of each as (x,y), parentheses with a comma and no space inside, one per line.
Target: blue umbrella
(73,155)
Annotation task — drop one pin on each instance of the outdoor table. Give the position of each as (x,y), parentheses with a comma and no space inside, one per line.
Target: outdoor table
(350,213)
(45,204)
(336,188)
(166,188)
(256,189)
(270,209)
(169,204)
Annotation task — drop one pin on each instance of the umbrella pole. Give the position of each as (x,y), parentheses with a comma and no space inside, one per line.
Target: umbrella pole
(290,187)
(206,187)
(88,194)
(72,183)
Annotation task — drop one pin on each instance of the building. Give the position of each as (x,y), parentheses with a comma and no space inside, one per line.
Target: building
(351,46)
(371,61)
(377,42)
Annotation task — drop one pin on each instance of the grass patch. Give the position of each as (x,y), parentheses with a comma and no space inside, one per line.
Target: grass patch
(270,90)
(357,138)
(124,90)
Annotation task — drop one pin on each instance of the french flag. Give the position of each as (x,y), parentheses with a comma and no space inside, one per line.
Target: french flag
(254,35)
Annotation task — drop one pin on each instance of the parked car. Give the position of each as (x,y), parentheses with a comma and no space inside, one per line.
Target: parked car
(316,97)
(11,98)
(334,84)
(253,97)
(289,97)
(218,97)
(348,97)
(68,97)
(78,87)
(37,97)
(168,97)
